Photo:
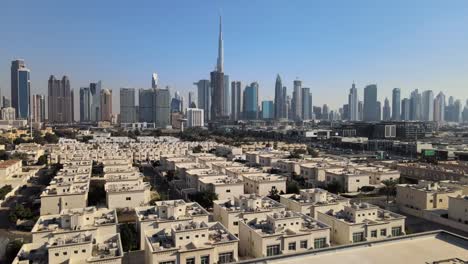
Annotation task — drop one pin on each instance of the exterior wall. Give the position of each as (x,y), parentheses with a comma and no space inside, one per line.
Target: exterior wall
(127,199)
(458,209)
(423,200)
(263,188)
(63,254)
(55,204)
(229,190)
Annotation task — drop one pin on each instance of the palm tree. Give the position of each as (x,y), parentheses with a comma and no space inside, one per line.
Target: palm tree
(389,188)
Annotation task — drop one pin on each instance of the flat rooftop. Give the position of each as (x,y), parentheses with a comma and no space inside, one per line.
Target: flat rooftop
(415,249)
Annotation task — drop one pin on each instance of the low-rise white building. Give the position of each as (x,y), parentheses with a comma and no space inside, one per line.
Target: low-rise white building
(458,209)
(224,186)
(425,195)
(279,233)
(262,183)
(129,194)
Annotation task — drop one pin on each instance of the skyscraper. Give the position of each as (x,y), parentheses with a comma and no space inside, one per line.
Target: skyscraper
(279,99)
(457,109)
(127,105)
(370,103)
(379,111)
(161,106)
(415,105)
(251,101)
(268,111)
(227,96)
(145,105)
(85,104)
(439,108)
(191,100)
(236,100)
(306,104)
(427,105)
(360,110)
(325,112)
(297,100)
(38,108)
(353,102)
(217,82)
(106,105)
(95,91)
(386,110)
(154,80)
(396,104)
(204,97)
(286,103)
(60,104)
(405,109)
(20,89)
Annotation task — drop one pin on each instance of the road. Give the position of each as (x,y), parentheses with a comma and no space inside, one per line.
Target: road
(158,183)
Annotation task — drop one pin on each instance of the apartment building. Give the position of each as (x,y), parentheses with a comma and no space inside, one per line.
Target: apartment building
(166,214)
(100,222)
(230,212)
(279,233)
(377,174)
(359,222)
(425,195)
(311,201)
(429,172)
(350,179)
(262,183)
(224,186)
(192,242)
(127,194)
(61,195)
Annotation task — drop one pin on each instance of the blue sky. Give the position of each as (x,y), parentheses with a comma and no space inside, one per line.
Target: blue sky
(327,44)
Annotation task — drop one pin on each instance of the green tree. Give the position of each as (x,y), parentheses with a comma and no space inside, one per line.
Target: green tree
(292,187)
(389,188)
(4,191)
(52,138)
(204,198)
(335,187)
(12,249)
(197,149)
(274,194)
(128,237)
(42,160)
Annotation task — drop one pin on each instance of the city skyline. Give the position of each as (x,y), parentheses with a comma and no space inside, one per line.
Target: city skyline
(319,82)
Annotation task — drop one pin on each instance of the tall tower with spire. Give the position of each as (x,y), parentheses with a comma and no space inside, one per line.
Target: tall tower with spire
(218,84)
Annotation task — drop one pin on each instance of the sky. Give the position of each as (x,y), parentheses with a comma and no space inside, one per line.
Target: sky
(327,44)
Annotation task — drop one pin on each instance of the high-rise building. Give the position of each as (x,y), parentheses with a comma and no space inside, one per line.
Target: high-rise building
(161,107)
(217,82)
(20,89)
(317,112)
(268,111)
(154,80)
(396,104)
(297,100)
(457,110)
(195,117)
(465,113)
(306,104)
(227,96)
(386,110)
(360,110)
(325,112)
(353,102)
(145,105)
(59,100)
(127,105)
(191,100)
(251,101)
(85,104)
(286,103)
(106,105)
(6,102)
(236,100)
(406,109)
(378,111)
(95,91)
(8,113)
(38,108)
(415,105)
(345,113)
(427,105)
(439,108)
(370,103)
(279,98)
(204,97)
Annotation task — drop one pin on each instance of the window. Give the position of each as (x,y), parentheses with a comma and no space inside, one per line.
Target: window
(83,250)
(383,232)
(292,246)
(65,253)
(236,223)
(190,261)
(167,262)
(57,254)
(303,244)
(226,257)
(373,233)
(128,198)
(440,200)
(187,237)
(76,251)
(205,259)
(320,242)
(228,191)
(273,250)
(358,180)
(358,237)
(396,231)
